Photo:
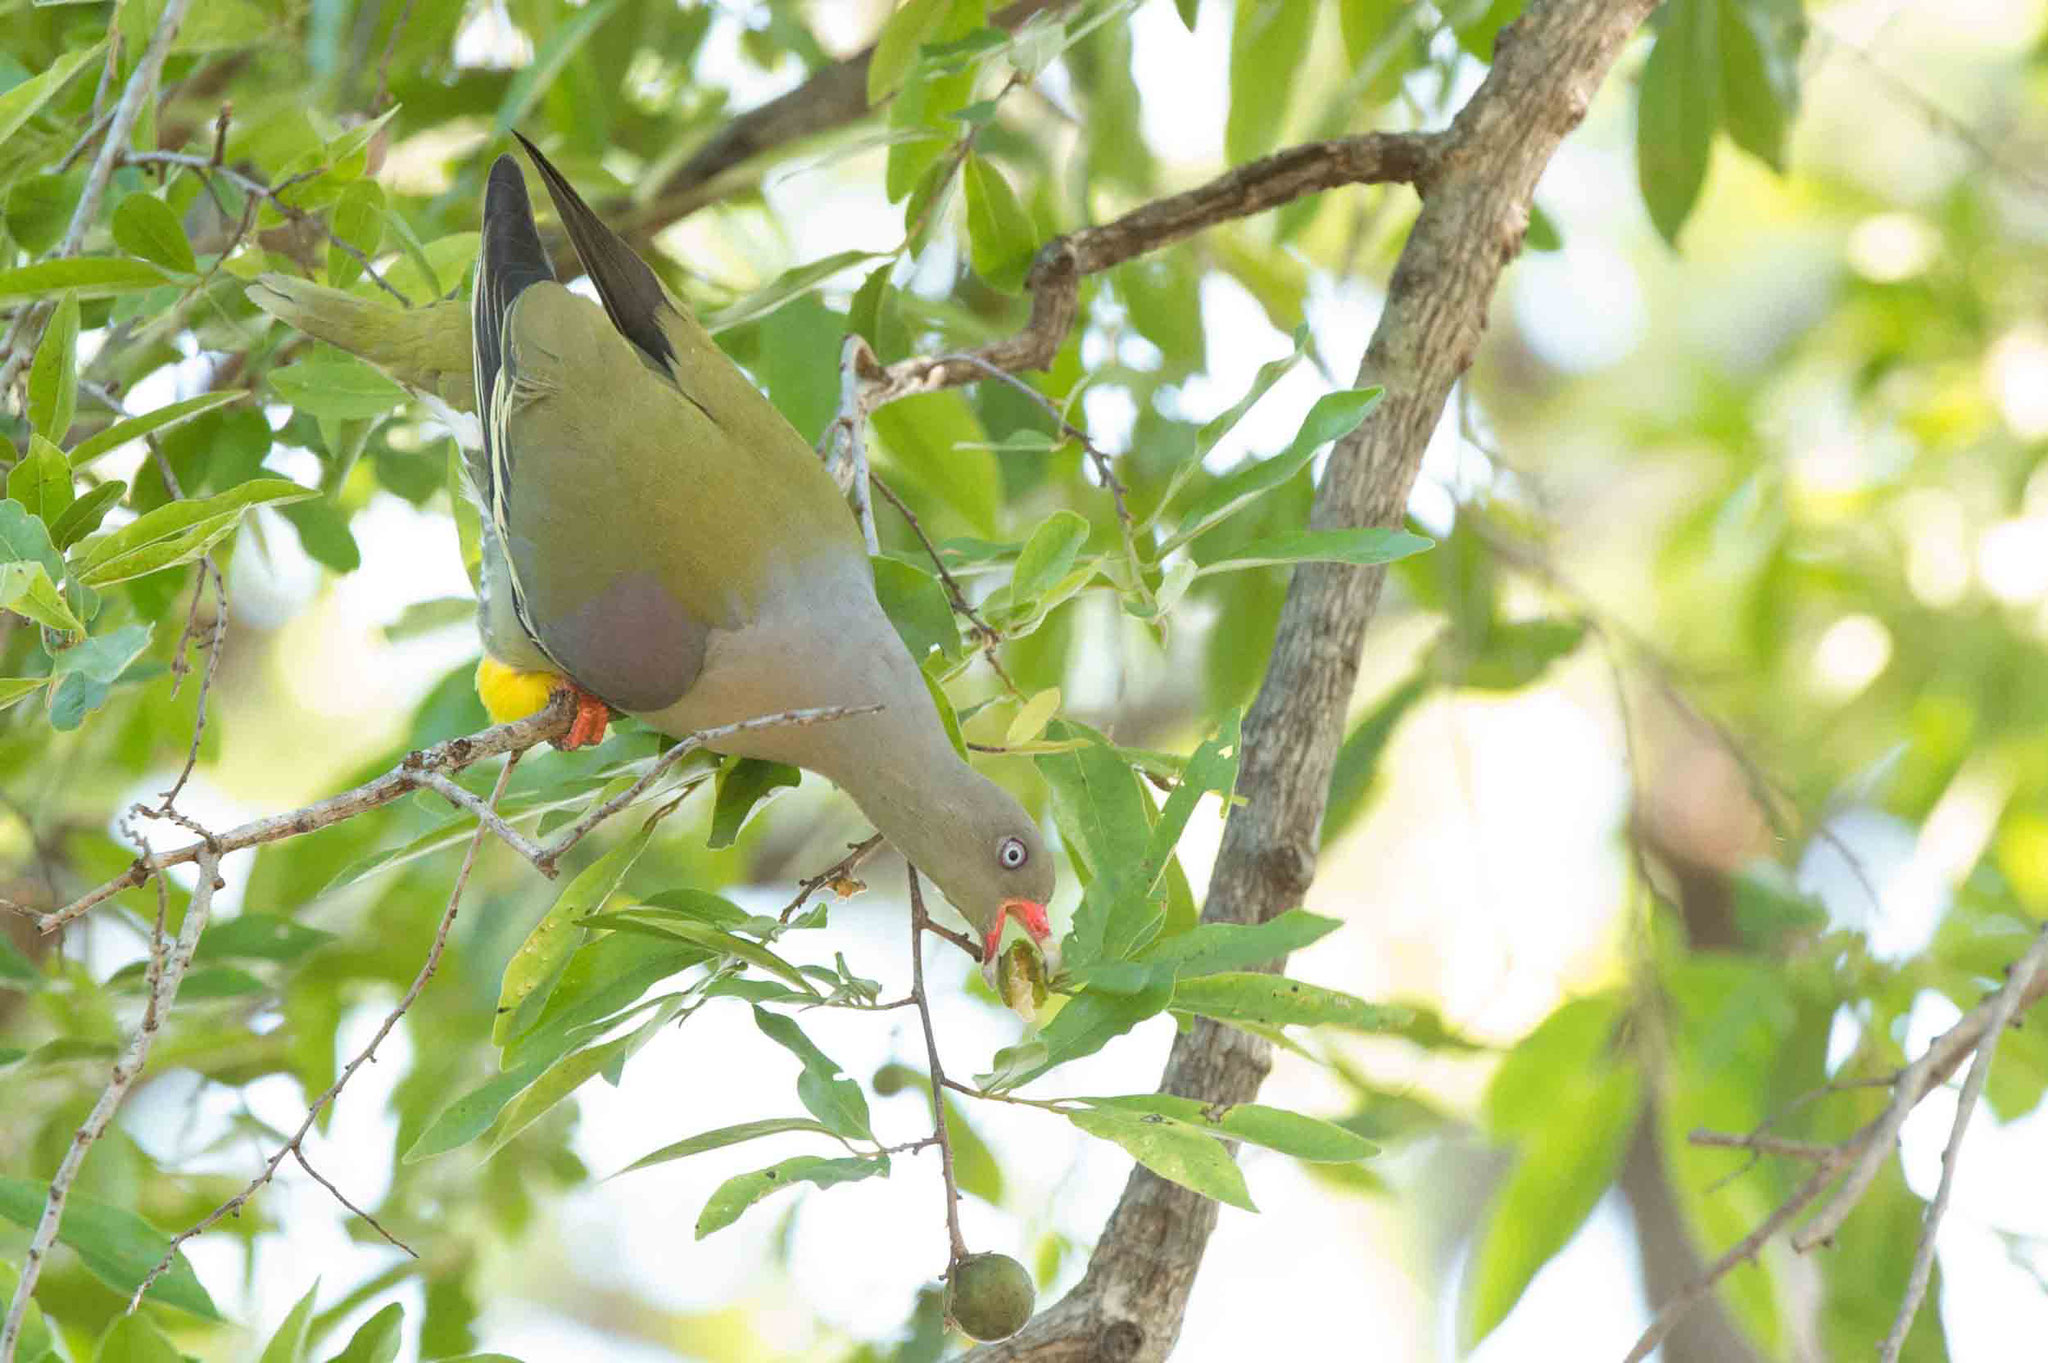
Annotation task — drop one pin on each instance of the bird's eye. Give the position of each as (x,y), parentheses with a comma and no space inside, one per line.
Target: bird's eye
(1013,853)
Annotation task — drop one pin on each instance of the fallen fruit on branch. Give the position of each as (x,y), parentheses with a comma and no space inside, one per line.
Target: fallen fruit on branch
(990,1296)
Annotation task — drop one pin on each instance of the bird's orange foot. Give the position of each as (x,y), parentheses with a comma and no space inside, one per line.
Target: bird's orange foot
(592,715)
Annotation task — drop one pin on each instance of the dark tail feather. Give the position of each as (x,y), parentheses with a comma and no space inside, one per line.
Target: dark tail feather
(633,297)
(510,259)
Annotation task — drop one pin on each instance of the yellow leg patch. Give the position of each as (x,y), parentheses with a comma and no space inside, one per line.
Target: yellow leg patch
(510,693)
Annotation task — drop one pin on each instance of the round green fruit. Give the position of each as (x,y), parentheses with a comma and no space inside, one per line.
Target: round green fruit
(990,1296)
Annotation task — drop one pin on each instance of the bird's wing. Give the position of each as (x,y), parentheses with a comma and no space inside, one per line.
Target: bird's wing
(510,260)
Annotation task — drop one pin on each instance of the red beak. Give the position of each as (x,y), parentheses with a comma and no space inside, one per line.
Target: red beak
(1029,913)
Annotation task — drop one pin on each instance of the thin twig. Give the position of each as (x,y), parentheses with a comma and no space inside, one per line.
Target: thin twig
(249,184)
(1740,1252)
(2005,1004)
(485,816)
(319,1105)
(453,755)
(341,1197)
(1105,471)
(551,855)
(919,921)
(383,97)
(126,1071)
(844,446)
(1864,1153)
(837,872)
(987,635)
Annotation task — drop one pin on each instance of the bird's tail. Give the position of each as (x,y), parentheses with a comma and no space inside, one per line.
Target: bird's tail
(423,348)
(632,294)
(509,260)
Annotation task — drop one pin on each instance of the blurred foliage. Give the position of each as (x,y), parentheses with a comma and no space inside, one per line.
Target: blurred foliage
(1824,552)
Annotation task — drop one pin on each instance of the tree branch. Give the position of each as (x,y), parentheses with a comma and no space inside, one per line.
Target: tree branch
(451,756)
(1477,179)
(166,973)
(294,1146)
(833,97)
(1864,1153)
(1055,279)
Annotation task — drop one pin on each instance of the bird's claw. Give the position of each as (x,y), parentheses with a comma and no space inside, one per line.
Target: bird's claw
(588,728)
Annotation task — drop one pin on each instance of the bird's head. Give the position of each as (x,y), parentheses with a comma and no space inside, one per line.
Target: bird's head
(988,858)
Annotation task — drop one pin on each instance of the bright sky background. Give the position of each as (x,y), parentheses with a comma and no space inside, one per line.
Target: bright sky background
(1490,884)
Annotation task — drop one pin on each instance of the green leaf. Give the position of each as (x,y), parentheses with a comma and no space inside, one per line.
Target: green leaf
(896,46)
(1573,1042)
(1760,43)
(1106,821)
(1563,1166)
(1211,771)
(724,1136)
(84,515)
(1352,776)
(103,657)
(40,207)
(1481,21)
(1171,1151)
(145,226)
(91,276)
(1678,108)
(12,691)
(42,480)
(325,535)
(176,533)
(259,937)
(288,1345)
(826,1094)
(358,219)
(743,783)
(1291,1133)
(549,57)
(572,1071)
(378,1339)
(1187,465)
(134,427)
(604,976)
(23,537)
(336,386)
(790,284)
(1048,555)
(1001,237)
(1278,1001)
(38,1344)
(1360,547)
(26,589)
(735,1195)
(1083,1026)
(917,606)
(53,379)
(20,104)
(1212,948)
(1268,47)
(672,923)
(1188,9)
(1334,416)
(135,1339)
(934,441)
(531,974)
(115,1245)
(1542,234)
(469,1116)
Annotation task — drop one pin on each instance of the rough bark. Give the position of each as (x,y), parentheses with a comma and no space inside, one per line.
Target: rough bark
(1130,1304)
